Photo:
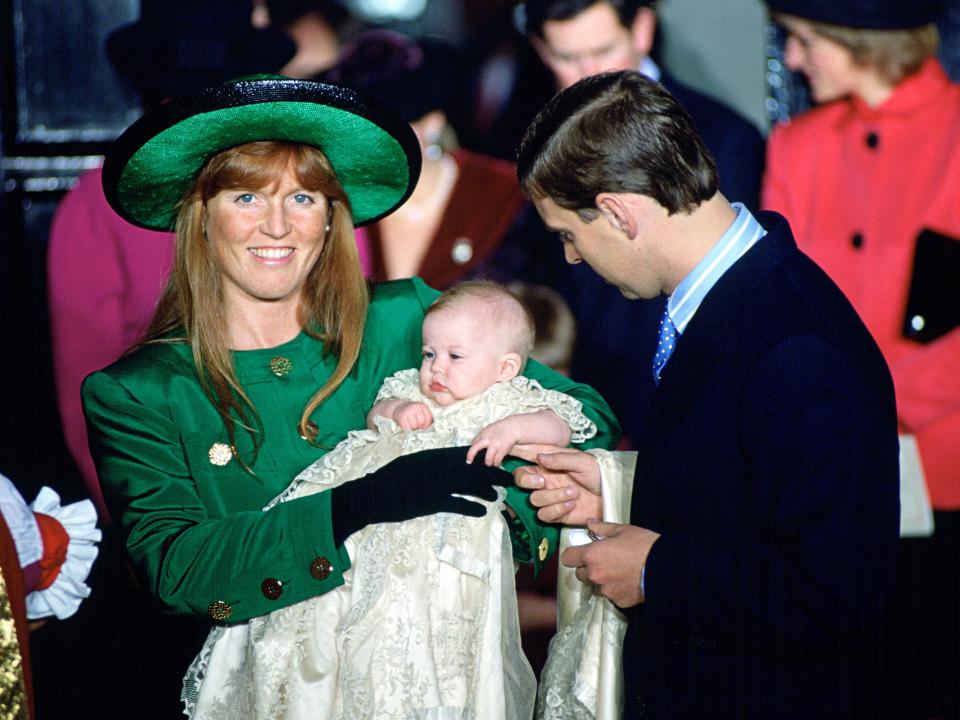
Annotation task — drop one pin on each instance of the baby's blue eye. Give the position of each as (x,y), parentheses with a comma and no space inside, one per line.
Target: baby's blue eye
(455,356)
(428,355)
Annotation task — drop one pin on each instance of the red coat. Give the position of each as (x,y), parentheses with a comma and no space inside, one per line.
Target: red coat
(857,185)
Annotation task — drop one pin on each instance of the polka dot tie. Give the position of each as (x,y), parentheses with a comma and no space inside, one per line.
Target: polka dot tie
(668,341)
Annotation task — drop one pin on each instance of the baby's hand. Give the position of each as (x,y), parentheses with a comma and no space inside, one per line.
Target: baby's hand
(413,416)
(497,438)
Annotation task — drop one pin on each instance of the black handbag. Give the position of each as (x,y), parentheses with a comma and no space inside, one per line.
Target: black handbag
(933,302)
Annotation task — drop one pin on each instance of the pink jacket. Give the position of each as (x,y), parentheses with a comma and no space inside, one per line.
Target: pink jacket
(104,277)
(858,184)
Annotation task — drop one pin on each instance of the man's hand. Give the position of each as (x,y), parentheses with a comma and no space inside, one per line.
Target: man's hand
(614,562)
(565,484)
(413,416)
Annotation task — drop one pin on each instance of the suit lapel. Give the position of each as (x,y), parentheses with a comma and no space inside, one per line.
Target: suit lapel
(714,325)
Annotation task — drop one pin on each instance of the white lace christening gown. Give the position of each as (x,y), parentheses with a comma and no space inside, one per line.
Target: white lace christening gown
(425,625)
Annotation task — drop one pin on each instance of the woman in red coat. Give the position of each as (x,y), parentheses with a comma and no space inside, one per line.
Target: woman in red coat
(865,178)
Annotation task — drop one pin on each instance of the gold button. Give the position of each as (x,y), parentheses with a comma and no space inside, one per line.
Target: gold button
(271,588)
(320,568)
(219,610)
(281,366)
(220,453)
(312,431)
(543,550)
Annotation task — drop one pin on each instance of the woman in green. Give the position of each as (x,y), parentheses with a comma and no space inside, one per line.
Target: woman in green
(209,418)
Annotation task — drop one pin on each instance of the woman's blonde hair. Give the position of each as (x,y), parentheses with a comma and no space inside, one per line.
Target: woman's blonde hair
(895,54)
(335,294)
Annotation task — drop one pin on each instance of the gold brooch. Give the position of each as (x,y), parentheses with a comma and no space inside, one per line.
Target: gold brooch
(219,610)
(220,453)
(281,366)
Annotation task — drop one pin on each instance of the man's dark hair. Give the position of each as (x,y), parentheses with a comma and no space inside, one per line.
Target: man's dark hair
(538,12)
(615,132)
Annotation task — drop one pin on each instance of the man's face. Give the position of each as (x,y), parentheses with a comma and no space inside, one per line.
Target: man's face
(594,42)
(622,261)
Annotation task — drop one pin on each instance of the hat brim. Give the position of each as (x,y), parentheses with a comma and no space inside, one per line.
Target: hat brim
(861,14)
(375,154)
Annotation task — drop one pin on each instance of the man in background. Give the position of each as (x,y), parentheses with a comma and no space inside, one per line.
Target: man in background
(758,568)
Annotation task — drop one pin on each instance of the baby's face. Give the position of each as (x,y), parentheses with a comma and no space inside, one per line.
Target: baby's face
(460,355)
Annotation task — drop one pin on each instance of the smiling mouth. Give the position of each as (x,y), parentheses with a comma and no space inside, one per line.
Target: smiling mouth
(268,253)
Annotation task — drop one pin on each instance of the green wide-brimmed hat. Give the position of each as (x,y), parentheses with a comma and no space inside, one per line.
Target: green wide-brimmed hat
(374,153)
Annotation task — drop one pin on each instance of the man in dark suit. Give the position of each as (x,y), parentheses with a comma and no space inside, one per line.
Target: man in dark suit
(578,38)
(758,568)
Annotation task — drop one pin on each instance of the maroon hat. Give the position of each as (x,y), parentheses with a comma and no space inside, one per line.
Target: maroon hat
(864,14)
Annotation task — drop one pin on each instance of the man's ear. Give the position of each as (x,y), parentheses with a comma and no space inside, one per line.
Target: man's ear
(643,29)
(618,213)
(508,366)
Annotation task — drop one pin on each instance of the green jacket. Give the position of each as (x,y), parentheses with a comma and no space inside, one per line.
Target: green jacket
(193,516)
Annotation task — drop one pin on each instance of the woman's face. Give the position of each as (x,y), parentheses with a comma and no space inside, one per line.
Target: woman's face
(828,66)
(266,241)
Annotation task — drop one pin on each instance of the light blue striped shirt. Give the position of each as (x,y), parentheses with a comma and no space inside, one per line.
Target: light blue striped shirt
(738,238)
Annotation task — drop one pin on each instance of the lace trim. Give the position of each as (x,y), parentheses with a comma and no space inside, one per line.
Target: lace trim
(455,424)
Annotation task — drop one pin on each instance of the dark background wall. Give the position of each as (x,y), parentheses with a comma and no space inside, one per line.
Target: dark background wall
(59,106)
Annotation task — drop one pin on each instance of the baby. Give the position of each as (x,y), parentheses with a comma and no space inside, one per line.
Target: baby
(425,624)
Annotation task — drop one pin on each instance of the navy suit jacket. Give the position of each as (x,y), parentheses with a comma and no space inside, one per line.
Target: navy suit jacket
(769,465)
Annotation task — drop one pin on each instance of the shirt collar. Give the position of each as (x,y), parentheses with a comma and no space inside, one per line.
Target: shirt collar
(649,68)
(738,238)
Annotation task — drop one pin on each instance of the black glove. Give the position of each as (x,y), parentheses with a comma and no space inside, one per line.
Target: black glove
(412,486)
